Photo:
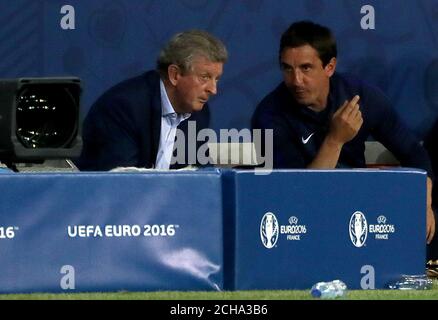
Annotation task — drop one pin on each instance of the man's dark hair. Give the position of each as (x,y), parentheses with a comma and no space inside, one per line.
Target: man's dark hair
(306,32)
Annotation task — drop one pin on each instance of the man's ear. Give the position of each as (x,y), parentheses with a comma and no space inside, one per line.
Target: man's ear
(173,72)
(330,67)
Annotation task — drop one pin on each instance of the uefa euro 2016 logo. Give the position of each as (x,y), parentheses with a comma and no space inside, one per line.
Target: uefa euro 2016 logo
(358,228)
(269,230)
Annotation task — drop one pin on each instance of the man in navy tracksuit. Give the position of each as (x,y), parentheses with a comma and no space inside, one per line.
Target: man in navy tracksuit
(321,119)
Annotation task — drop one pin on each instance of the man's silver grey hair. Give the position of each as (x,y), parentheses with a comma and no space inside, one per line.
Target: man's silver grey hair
(186,46)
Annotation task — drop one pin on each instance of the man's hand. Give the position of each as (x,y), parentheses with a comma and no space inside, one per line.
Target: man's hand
(344,126)
(346,122)
(430,225)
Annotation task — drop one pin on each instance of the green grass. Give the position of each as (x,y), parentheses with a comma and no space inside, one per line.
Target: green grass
(230,295)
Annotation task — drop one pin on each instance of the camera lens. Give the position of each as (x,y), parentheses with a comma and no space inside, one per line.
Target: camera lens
(45,118)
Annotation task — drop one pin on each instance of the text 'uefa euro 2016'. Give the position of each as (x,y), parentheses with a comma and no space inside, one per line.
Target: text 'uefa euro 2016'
(120,231)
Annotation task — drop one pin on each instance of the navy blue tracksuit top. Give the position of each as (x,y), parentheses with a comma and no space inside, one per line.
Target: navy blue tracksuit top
(299,131)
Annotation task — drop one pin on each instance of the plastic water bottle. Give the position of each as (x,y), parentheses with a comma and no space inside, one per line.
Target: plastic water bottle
(328,290)
(412,282)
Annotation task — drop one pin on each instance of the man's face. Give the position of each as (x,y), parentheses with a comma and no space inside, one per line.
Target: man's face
(194,87)
(305,76)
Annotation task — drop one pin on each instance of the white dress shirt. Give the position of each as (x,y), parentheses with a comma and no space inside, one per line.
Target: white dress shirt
(169,123)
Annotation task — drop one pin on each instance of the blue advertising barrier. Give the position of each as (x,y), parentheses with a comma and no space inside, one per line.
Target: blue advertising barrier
(291,229)
(111,232)
(207,230)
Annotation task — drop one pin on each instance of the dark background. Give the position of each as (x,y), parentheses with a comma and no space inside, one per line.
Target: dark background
(117,39)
